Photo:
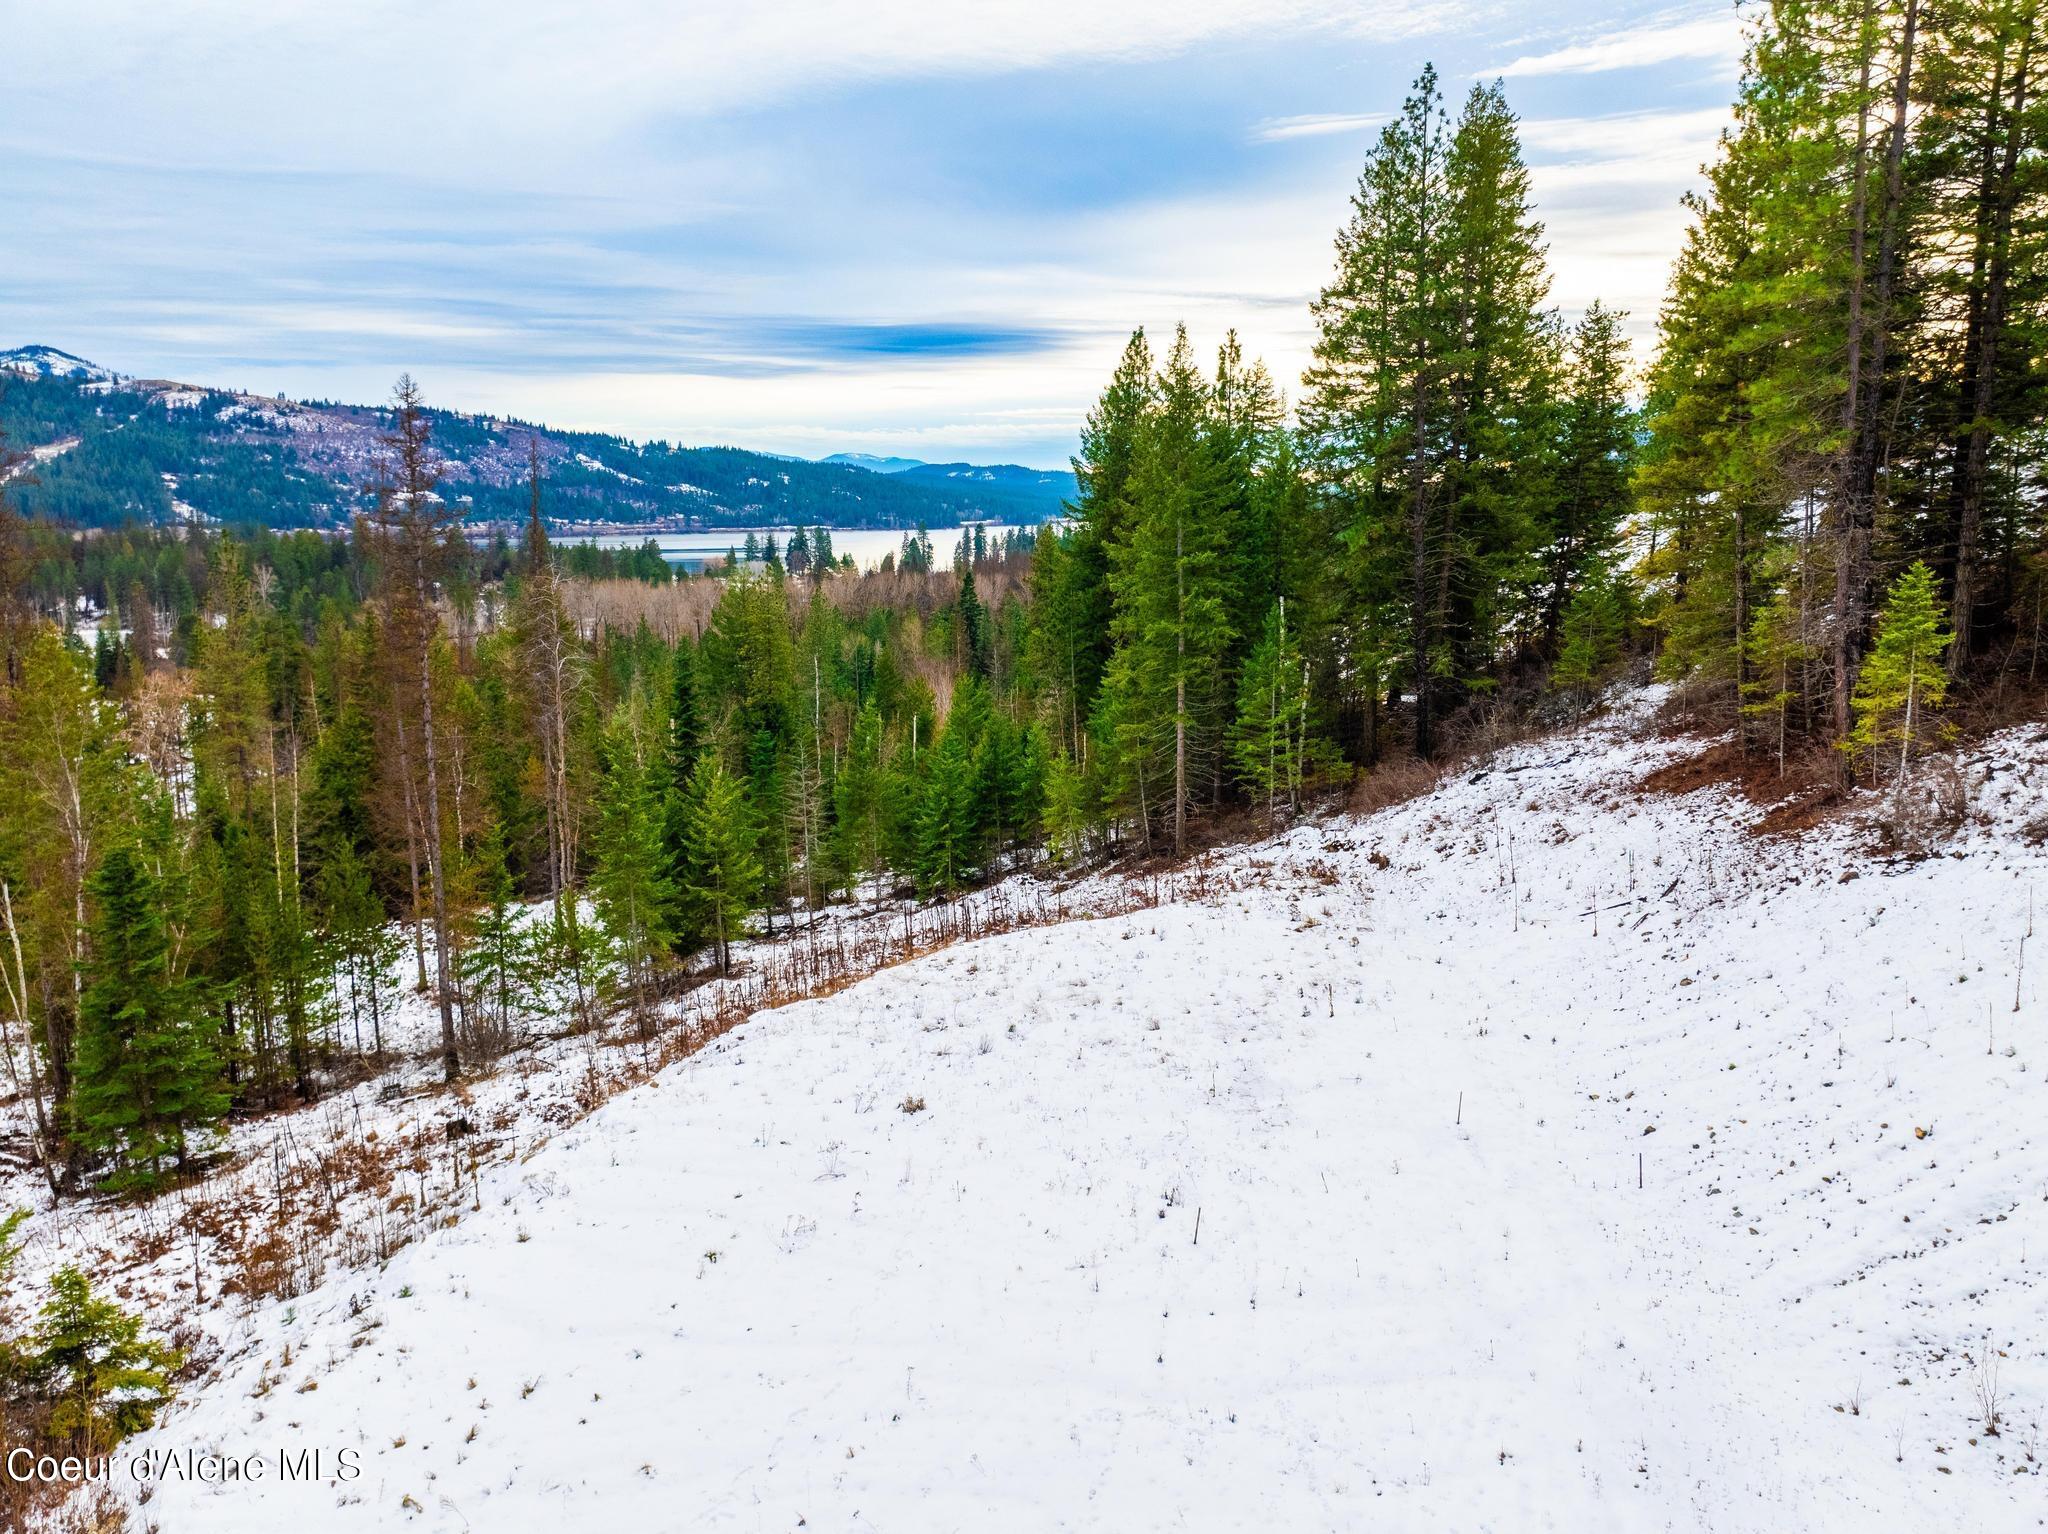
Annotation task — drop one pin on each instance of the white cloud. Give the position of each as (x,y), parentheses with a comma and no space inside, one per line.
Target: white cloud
(491,93)
(1715,37)
(1649,136)
(1314,125)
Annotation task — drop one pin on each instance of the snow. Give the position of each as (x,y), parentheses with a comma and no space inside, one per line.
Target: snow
(600,467)
(49,362)
(47,452)
(1312,1201)
(181,510)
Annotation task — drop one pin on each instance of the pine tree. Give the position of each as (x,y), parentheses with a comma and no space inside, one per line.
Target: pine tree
(628,878)
(1777,651)
(1069,640)
(365,942)
(1271,746)
(945,822)
(768,800)
(1903,678)
(1173,591)
(1595,449)
(413,527)
(858,795)
(974,625)
(1434,370)
(686,743)
(1009,779)
(87,1358)
(66,791)
(1589,638)
(1069,819)
(553,672)
(149,1081)
(497,968)
(722,875)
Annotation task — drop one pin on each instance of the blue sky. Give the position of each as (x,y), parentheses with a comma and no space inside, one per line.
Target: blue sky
(901,226)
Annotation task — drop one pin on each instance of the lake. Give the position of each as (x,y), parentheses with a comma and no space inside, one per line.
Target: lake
(867,545)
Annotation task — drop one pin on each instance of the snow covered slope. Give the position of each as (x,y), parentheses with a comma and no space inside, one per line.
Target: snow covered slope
(48,362)
(1535,1155)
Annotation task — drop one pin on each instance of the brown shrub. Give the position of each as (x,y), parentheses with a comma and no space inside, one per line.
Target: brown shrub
(1395,781)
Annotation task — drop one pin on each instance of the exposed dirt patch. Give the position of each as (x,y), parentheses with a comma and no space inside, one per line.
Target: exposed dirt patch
(1717,766)
(1807,807)
(1806,793)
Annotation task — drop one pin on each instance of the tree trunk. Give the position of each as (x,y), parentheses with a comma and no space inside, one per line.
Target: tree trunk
(1852,574)
(1996,199)
(451,1064)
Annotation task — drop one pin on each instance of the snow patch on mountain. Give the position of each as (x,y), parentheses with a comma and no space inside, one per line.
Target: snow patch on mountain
(599,466)
(49,362)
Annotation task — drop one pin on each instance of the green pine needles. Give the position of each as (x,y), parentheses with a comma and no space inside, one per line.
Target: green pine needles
(149,1080)
(1903,679)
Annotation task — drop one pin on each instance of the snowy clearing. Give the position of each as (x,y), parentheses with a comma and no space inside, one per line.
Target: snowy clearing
(1534,1155)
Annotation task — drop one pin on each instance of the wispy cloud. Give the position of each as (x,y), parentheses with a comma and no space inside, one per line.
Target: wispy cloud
(543,84)
(907,225)
(1627,135)
(1314,125)
(1715,37)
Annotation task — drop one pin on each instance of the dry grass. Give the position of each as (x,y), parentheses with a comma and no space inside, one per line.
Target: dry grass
(1395,782)
(685,606)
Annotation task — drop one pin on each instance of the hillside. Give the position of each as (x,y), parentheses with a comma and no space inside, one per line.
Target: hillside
(112,449)
(1051,485)
(1493,1161)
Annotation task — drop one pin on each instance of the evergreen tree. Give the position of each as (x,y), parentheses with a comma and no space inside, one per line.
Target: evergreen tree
(722,874)
(628,878)
(88,1359)
(66,792)
(1596,440)
(148,1078)
(1777,651)
(1172,584)
(858,801)
(686,743)
(1069,817)
(1903,678)
(1434,368)
(1247,426)
(1071,604)
(497,968)
(1271,745)
(414,532)
(768,800)
(1589,637)
(366,944)
(974,625)
(1009,779)
(946,819)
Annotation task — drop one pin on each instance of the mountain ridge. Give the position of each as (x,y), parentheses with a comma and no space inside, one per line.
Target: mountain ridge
(159,450)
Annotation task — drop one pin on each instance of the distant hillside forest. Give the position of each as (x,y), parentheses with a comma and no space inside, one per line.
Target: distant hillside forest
(119,451)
